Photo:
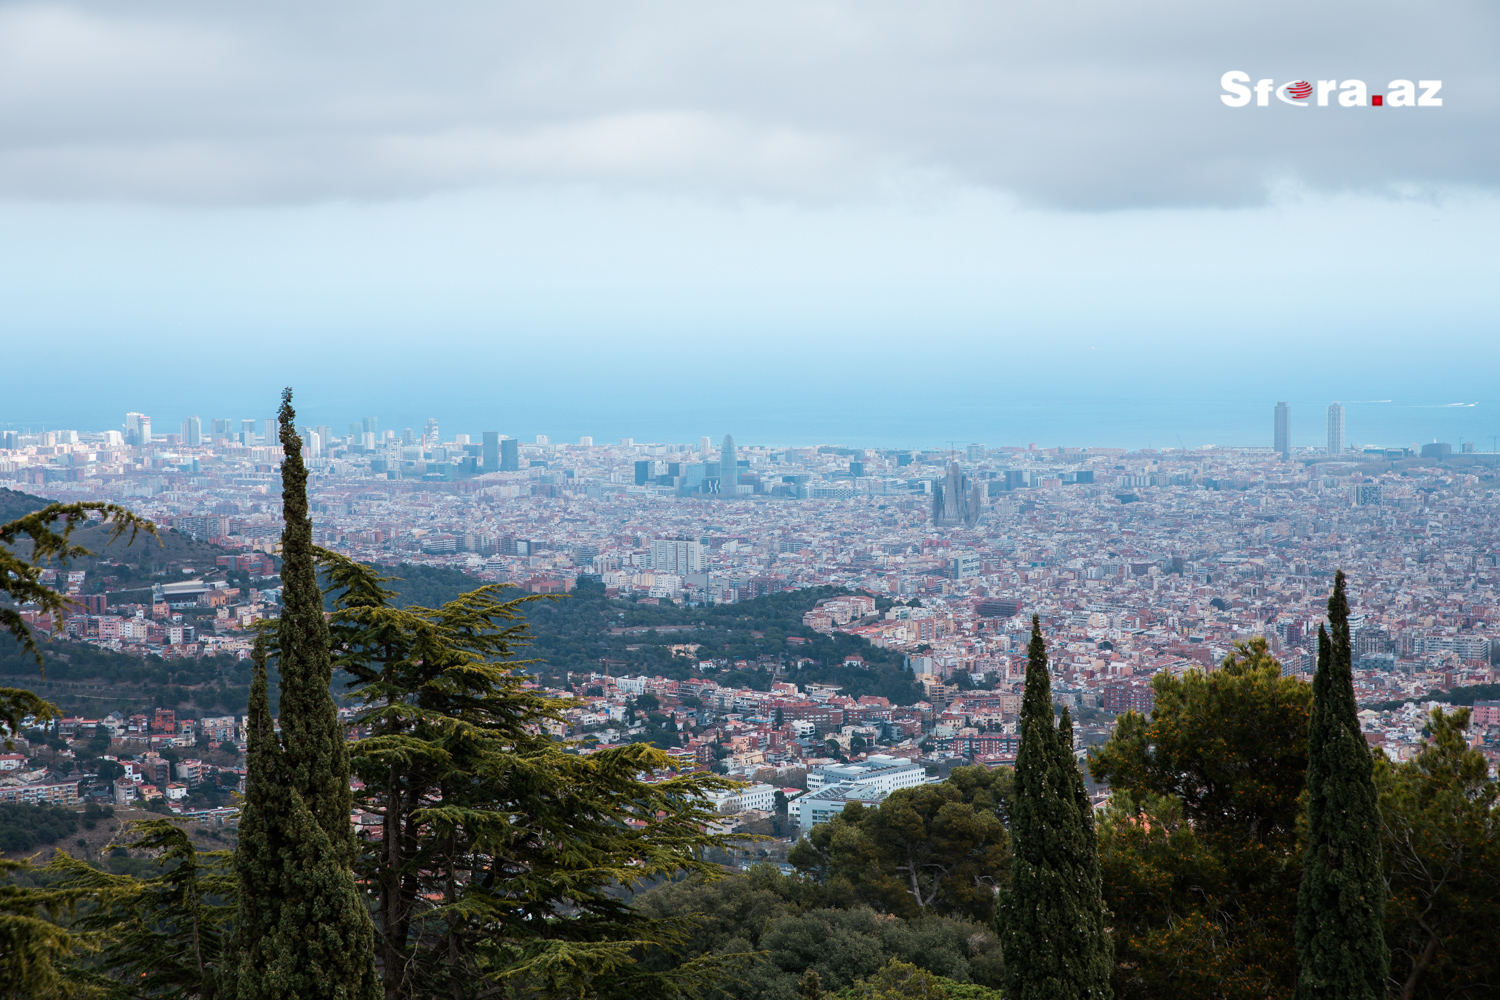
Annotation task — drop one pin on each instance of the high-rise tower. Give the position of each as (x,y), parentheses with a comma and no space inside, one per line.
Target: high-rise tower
(133,423)
(1283,430)
(1335,428)
(729,473)
(491,451)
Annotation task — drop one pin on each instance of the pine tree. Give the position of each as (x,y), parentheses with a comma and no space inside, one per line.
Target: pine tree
(155,936)
(1341,905)
(304,931)
(503,855)
(1051,921)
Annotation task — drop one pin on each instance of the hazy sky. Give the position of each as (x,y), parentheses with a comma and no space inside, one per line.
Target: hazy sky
(876,223)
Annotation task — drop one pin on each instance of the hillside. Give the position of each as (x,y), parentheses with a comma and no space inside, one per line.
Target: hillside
(576,633)
(169,552)
(1458,696)
(579,632)
(89,680)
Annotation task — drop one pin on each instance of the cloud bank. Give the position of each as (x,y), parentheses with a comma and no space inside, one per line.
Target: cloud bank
(1084,105)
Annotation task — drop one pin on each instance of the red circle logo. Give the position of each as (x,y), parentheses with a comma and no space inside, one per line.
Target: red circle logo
(1301,90)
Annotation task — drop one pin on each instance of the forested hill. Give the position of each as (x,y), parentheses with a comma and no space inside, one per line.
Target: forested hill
(575,633)
(168,552)
(579,632)
(14,504)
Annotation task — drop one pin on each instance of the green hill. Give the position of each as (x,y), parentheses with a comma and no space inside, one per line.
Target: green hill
(169,552)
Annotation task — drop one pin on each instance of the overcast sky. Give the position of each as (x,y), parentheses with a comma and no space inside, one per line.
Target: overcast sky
(884,222)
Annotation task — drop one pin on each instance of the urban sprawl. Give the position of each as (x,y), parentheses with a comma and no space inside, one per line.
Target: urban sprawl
(1137,563)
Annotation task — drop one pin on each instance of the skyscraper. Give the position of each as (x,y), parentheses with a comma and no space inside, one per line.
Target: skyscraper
(729,471)
(706,445)
(1283,430)
(1335,428)
(247,432)
(491,451)
(192,432)
(510,455)
(133,423)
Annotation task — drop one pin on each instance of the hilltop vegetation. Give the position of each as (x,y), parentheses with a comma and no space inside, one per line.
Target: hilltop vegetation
(170,551)
(578,632)
(25,826)
(90,680)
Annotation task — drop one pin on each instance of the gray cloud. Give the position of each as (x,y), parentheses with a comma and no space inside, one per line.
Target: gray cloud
(1083,105)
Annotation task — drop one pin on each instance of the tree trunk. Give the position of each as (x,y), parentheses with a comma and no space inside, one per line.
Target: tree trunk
(1420,966)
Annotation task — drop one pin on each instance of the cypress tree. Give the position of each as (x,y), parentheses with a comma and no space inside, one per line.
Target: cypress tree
(1341,904)
(257,868)
(1051,920)
(303,929)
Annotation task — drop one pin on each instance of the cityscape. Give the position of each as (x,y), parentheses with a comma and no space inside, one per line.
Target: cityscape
(1138,563)
(669,501)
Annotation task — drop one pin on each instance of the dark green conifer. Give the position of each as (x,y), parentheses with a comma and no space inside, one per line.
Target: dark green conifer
(1051,920)
(257,867)
(304,931)
(1341,904)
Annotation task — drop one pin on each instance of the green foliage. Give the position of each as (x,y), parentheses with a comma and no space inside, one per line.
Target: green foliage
(1466,695)
(934,849)
(35,947)
(1441,836)
(574,635)
(899,980)
(25,826)
(1052,917)
(20,577)
(1231,744)
(426,586)
(1340,935)
(158,935)
(503,854)
(800,938)
(302,929)
(93,812)
(1199,848)
(213,684)
(21,581)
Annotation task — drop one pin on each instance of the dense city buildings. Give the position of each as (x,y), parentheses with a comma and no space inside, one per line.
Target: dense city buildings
(1137,562)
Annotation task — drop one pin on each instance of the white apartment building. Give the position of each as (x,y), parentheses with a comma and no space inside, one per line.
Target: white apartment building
(758,796)
(676,556)
(807,811)
(880,772)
